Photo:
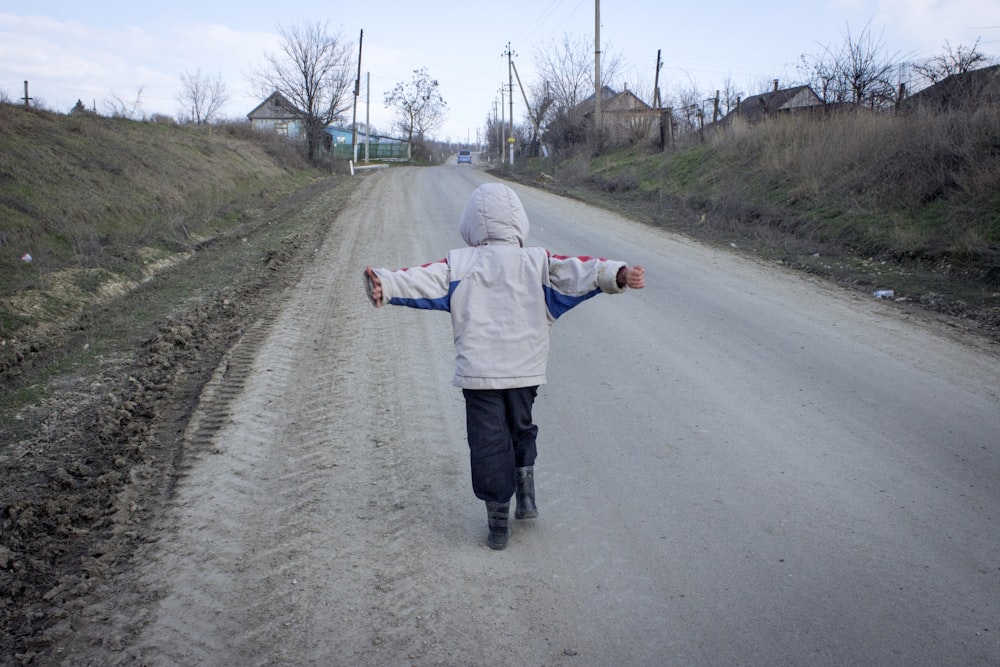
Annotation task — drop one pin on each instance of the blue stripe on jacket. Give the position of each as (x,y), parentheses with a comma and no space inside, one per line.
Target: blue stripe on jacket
(424,303)
(558,303)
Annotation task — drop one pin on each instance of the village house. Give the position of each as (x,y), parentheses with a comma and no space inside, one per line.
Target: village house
(624,117)
(964,91)
(276,114)
(799,99)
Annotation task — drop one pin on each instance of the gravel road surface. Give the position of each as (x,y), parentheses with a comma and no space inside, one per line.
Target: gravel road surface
(737,465)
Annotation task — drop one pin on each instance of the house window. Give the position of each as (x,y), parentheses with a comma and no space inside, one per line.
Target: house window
(281,127)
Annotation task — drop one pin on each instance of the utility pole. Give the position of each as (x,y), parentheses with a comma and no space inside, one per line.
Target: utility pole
(27,100)
(656,86)
(502,123)
(368,110)
(597,70)
(524,95)
(510,86)
(357,91)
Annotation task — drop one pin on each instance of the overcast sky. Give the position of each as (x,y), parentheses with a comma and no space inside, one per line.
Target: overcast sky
(92,51)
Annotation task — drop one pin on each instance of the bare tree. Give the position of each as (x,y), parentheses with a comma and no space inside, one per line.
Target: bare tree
(953,61)
(861,72)
(731,94)
(821,73)
(868,69)
(566,70)
(419,107)
(689,108)
(119,108)
(201,97)
(541,102)
(314,71)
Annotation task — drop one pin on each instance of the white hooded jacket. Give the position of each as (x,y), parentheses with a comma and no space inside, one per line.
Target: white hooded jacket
(503,297)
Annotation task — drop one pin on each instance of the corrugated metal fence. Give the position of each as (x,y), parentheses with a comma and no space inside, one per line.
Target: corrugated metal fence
(376,151)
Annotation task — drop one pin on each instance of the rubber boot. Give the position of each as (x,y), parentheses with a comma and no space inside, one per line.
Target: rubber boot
(499,519)
(526,508)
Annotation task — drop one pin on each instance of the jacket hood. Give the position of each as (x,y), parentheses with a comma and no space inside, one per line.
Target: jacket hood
(494,216)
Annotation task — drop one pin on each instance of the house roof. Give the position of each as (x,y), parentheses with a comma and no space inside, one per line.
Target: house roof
(766,104)
(612,101)
(969,89)
(276,106)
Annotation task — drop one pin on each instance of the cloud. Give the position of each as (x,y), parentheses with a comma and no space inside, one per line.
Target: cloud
(927,24)
(66,60)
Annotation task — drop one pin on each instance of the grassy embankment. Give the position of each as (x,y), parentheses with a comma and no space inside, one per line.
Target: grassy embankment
(99,204)
(908,203)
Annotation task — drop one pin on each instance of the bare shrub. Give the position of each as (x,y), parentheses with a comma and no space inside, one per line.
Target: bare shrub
(865,159)
(575,170)
(163,119)
(202,96)
(286,154)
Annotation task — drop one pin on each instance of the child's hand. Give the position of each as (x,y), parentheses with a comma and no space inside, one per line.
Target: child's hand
(635,277)
(632,277)
(374,287)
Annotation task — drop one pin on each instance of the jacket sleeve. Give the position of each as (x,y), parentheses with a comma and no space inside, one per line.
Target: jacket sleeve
(573,280)
(427,287)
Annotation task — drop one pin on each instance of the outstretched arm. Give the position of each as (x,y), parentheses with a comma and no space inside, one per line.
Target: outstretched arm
(426,287)
(631,276)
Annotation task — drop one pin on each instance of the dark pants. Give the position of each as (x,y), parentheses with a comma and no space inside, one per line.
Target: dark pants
(501,438)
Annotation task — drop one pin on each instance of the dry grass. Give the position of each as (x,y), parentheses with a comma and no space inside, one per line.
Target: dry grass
(916,194)
(919,186)
(98,201)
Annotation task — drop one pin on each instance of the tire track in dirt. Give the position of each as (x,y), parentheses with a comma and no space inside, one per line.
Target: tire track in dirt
(269,474)
(322,512)
(309,461)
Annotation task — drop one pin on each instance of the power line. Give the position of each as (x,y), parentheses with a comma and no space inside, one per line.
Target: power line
(568,17)
(546,14)
(560,24)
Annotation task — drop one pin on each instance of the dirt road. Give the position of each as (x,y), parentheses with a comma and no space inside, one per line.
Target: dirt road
(737,466)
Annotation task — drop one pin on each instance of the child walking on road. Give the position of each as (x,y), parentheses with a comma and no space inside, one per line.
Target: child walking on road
(503,298)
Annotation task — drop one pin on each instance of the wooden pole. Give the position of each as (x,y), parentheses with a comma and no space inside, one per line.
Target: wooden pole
(597,70)
(656,85)
(534,121)
(368,106)
(357,91)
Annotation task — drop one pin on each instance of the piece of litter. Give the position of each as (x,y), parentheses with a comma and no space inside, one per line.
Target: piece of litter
(26,258)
